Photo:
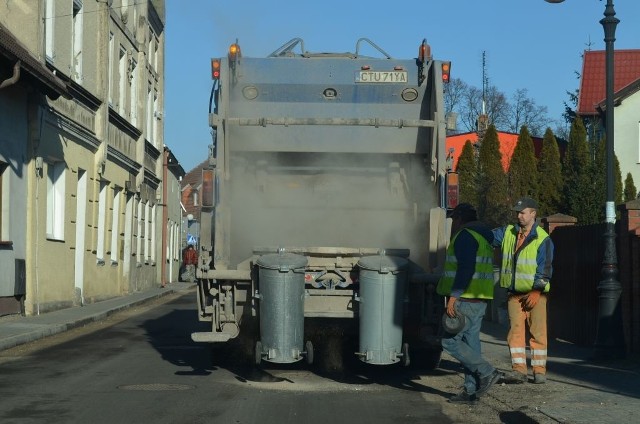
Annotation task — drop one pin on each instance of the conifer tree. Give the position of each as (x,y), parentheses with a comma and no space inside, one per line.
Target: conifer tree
(523,179)
(630,191)
(467,169)
(618,190)
(493,205)
(578,176)
(550,183)
(600,180)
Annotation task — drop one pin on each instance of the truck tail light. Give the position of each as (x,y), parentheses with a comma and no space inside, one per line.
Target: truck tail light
(424,52)
(215,69)
(208,188)
(446,69)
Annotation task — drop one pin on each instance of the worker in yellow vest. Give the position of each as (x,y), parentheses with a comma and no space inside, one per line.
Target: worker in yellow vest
(467,282)
(527,256)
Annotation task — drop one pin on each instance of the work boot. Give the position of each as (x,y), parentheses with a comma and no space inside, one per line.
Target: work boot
(539,378)
(463,397)
(514,377)
(488,381)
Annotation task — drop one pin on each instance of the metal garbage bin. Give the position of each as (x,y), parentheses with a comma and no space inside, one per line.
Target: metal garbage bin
(383,281)
(281,294)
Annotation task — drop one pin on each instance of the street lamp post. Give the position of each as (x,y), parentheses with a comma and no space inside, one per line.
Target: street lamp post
(609,337)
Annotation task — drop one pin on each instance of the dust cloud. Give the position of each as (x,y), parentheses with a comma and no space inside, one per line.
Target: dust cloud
(329,200)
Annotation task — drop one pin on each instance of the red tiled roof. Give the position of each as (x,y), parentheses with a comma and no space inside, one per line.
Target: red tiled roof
(507,141)
(592,84)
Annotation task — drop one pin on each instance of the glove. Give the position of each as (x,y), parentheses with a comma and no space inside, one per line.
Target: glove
(531,299)
(451,310)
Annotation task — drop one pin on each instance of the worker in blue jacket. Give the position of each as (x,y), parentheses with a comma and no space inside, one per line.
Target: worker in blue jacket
(467,282)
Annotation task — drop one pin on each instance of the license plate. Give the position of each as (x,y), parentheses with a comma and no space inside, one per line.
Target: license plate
(382,76)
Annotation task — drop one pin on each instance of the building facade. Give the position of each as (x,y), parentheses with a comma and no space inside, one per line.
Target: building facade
(85,177)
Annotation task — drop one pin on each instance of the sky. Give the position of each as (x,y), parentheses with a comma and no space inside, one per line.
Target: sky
(527,44)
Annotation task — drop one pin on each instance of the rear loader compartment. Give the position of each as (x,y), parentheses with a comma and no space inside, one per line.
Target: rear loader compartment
(338,160)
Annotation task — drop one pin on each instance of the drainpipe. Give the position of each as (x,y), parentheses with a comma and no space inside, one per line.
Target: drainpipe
(14,78)
(165,216)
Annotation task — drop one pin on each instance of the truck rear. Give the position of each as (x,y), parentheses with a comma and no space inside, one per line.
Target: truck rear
(331,158)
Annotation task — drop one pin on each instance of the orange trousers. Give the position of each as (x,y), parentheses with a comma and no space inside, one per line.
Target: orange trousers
(536,321)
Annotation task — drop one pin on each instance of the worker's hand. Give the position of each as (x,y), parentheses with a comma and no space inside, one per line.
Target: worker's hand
(451,310)
(531,300)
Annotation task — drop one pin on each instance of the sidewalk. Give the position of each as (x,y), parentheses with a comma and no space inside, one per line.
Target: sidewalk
(18,330)
(578,390)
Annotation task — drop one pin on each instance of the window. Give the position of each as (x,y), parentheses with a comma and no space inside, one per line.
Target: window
(49,24)
(122,75)
(152,49)
(154,130)
(152,253)
(111,45)
(140,234)
(102,221)
(147,211)
(134,95)
(155,54)
(150,118)
(76,41)
(115,227)
(55,200)
(195,198)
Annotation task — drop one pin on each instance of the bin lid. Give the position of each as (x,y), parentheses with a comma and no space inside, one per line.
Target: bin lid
(282,261)
(382,263)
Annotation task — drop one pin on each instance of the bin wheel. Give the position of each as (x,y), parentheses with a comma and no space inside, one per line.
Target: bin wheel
(309,348)
(258,357)
(405,361)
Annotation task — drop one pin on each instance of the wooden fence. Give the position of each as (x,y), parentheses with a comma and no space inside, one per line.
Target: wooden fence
(577,269)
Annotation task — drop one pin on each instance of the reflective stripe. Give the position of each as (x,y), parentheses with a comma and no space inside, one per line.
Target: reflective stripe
(538,362)
(539,352)
(518,350)
(479,259)
(518,361)
(476,275)
(527,261)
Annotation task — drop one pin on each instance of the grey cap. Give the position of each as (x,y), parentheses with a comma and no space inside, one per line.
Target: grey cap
(453,325)
(523,203)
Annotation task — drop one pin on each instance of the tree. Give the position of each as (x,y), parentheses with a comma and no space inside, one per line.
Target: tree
(523,179)
(577,174)
(454,93)
(600,179)
(525,111)
(549,176)
(493,206)
(467,169)
(630,191)
(467,101)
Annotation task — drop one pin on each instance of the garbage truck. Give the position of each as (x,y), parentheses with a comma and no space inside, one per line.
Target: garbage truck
(324,200)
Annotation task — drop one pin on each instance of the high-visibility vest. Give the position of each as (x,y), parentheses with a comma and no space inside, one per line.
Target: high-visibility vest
(481,285)
(519,276)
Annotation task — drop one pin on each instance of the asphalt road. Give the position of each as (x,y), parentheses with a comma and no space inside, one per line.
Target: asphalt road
(140,366)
